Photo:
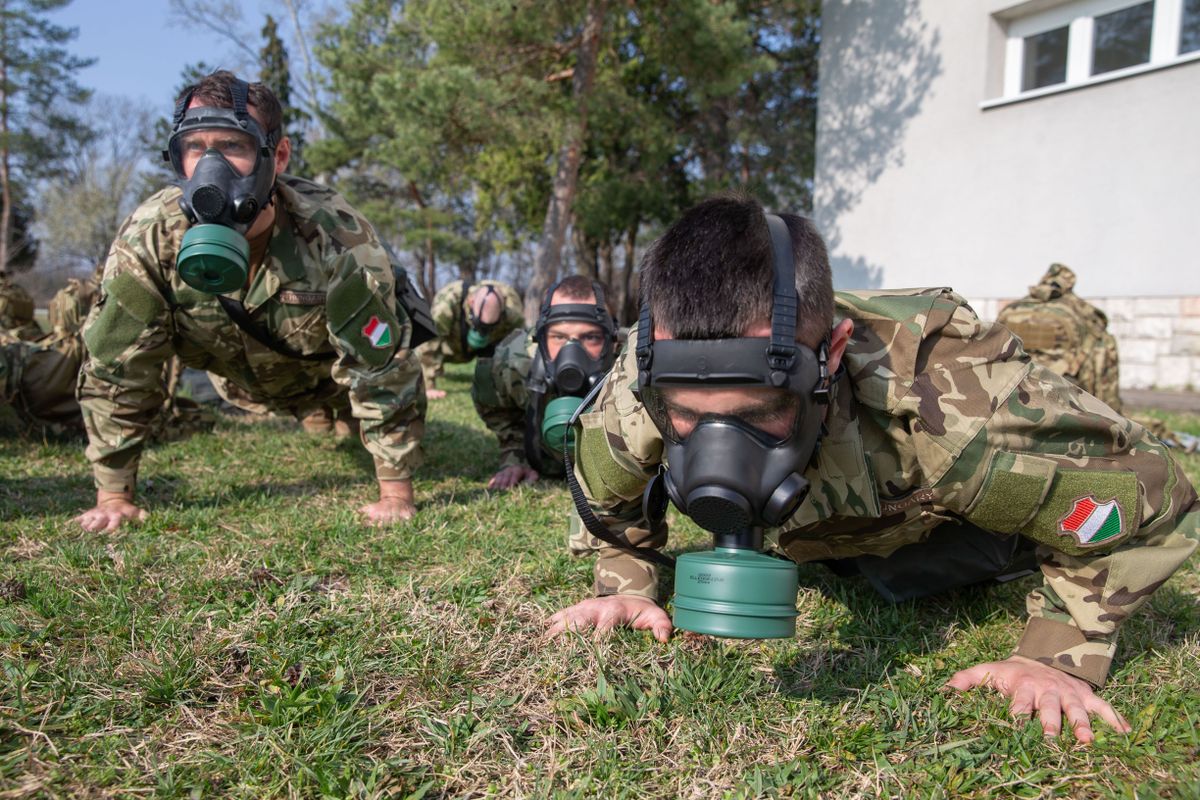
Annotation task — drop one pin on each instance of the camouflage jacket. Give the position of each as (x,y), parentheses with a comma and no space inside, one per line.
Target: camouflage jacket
(38,380)
(16,312)
(503,399)
(451,313)
(940,417)
(325,279)
(1066,334)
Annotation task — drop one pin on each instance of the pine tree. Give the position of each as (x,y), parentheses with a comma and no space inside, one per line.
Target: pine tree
(36,84)
(274,72)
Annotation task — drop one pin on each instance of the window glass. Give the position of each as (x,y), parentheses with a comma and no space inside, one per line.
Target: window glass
(1122,38)
(1045,59)
(1189,34)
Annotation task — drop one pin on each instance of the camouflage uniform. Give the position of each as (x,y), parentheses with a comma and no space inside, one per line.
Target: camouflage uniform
(940,418)
(324,281)
(16,312)
(38,380)
(503,400)
(1066,334)
(451,313)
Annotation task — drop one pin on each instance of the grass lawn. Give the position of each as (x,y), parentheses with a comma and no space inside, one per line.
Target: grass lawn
(251,639)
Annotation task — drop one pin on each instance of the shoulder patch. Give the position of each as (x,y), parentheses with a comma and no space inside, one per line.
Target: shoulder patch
(1091,522)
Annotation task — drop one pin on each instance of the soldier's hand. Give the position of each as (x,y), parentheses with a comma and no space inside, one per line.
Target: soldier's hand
(112,508)
(511,476)
(435,394)
(1052,693)
(606,613)
(395,504)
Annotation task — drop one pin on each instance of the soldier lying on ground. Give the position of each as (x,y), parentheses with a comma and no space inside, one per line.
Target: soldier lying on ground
(16,311)
(946,456)
(471,320)
(527,392)
(267,280)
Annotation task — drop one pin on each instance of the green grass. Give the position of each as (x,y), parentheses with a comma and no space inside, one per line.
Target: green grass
(252,640)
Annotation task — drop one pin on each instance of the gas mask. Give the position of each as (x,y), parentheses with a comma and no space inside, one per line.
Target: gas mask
(232,180)
(558,385)
(479,333)
(741,421)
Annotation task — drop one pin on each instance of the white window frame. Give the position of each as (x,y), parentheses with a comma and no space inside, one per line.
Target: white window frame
(1079,16)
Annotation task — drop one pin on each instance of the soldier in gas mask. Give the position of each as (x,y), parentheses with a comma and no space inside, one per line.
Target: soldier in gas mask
(888,434)
(472,319)
(268,282)
(528,391)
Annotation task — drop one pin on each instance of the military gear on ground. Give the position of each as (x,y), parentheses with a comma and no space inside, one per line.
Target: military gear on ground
(1066,334)
(325,286)
(37,379)
(940,418)
(16,312)
(452,315)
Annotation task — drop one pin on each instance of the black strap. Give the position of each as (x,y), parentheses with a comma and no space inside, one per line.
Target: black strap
(463,311)
(181,108)
(237,312)
(781,353)
(586,515)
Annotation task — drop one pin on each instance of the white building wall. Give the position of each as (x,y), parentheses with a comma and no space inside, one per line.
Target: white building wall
(917,185)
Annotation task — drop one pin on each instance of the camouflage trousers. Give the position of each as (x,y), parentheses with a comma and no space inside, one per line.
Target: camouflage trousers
(954,556)
(38,381)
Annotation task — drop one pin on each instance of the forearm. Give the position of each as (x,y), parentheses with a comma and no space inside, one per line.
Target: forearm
(390,406)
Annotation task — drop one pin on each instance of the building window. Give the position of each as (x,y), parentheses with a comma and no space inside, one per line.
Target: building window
(1122,38)
(1075,42)
(1189,28)
(1045,59)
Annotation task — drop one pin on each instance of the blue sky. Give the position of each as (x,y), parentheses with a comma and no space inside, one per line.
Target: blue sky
(139,52)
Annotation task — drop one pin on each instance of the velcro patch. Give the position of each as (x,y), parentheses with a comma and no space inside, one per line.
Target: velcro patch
(1015,486)
(604,477)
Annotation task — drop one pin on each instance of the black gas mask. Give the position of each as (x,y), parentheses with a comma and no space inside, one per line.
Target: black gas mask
(479,333)
(232,179)
(559,385)
(741,420)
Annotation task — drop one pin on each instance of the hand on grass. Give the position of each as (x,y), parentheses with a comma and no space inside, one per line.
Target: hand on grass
(1053,693)
(112,508)
(435,394)
(511,476)
(606,613)
(395,504)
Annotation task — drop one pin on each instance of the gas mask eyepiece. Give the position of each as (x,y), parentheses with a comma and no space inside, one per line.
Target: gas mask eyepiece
(225,166)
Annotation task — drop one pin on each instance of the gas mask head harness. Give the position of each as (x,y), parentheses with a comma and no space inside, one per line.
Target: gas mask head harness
(219,199)
(478,335)
(558,385)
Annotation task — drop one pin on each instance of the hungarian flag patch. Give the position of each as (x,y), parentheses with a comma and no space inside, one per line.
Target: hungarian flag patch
(378,333)
(1091,522)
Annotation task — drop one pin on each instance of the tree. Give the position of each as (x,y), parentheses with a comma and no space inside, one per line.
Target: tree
(81,210)
(274,72)
(504,123)
(566,175)
(37,94)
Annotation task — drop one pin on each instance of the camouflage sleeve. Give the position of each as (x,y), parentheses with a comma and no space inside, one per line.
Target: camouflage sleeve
(371,333)
(1111,511)
(618,450)
(128,340)
(498,391)
(432,361)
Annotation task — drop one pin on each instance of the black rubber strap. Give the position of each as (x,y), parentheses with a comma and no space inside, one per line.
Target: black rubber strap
(586,515)
(237,312)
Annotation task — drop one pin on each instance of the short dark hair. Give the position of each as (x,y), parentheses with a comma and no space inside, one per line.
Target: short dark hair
(575,287)
(216,90)
(711,275)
